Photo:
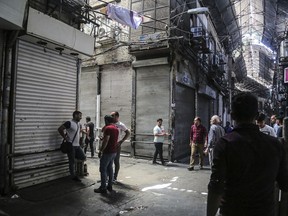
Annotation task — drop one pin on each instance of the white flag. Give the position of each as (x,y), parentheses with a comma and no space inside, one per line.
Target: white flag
(124,16)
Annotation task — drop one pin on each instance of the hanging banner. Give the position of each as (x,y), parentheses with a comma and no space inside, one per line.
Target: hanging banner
(124,16)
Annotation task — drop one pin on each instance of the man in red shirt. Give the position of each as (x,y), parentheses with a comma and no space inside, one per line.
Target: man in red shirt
(198,135)
(107,153)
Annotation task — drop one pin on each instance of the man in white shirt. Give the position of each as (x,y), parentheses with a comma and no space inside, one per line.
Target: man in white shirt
(121,128)
(159,135)
(260,121)
(70,131)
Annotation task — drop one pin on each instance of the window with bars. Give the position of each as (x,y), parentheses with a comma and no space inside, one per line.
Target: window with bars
(155,16)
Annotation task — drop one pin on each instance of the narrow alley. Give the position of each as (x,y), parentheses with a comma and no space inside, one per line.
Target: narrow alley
(142,189)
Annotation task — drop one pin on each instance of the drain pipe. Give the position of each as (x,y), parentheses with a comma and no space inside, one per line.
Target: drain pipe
(8,83)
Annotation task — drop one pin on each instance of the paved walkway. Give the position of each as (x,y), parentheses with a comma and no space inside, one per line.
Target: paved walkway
(143,189)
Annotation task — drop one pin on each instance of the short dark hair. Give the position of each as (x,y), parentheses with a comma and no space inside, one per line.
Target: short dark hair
(88,118)
(160,119)
(116,113)
(197,118)
(244,106)
(261,117)
(108,119)
(76,113)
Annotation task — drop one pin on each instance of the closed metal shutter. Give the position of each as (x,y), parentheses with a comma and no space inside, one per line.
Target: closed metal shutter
(184,116)
(152,102)
(46,86)
(204,110)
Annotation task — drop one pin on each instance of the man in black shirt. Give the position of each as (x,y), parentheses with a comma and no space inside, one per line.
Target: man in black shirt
(89,140)
(247,163)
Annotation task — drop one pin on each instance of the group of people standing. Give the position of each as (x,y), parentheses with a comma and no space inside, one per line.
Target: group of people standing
(203,142)
(110,149)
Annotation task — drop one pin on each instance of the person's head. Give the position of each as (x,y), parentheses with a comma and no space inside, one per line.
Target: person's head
(260,121)
(215,119)
(244,107)
(279,120)
(159,122)
(109,119)
(227,123)
(273,119)
(77,116)
(197,121)
(88,119)
(115,115)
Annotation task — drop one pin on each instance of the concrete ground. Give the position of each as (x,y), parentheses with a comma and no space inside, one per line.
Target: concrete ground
(143,190)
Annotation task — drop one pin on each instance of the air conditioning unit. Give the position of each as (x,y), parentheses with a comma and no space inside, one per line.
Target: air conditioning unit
(197,32)
(106,37)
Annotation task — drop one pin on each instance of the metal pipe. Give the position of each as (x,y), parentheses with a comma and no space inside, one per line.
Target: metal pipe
(6,145)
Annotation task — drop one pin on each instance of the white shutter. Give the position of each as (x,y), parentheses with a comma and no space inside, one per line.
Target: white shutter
(46,87)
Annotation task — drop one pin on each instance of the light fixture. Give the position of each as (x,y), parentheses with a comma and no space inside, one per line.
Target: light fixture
(199,10)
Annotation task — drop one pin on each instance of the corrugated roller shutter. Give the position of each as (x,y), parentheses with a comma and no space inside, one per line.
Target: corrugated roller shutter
(184,116)
(45,97)
(152,102)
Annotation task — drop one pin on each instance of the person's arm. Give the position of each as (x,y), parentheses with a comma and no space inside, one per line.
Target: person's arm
(213,202)
(217,179)
(127,134)
(104,144)
(156,133)
(61,130)
(282,177)
(88,132)
(191,135)
(272,131)
(211,137)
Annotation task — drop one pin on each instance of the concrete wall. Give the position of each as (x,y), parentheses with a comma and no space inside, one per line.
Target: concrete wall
(116,94)
(88,93)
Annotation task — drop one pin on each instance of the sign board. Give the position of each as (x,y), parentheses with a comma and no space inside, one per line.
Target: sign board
(286,75)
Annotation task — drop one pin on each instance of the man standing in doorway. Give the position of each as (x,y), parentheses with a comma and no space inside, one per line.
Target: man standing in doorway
(246,165)
(121,128)
(198,137)
(72,136)
(159,135)
(89,140)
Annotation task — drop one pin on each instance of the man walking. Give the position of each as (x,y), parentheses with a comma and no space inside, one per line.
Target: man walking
(215,132)
(246,165)
(72,136)
(107,154)
(159,135)
(198,135)
(122,129)
(89,140)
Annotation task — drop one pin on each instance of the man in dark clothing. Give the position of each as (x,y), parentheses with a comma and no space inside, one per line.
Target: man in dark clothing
(246,165)
(89,140)
(107,154)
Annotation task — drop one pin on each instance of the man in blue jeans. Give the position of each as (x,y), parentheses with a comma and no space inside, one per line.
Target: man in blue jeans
(107,153)
(72,136)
